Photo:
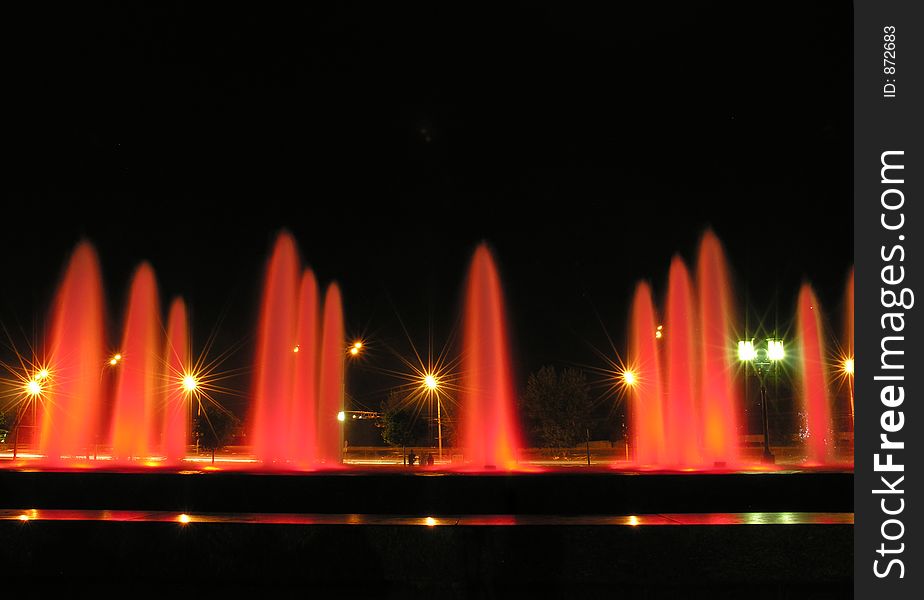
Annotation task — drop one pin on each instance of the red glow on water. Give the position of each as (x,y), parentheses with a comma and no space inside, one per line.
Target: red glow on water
(681,417)
(275,360)
(303,424)
(645,393)
(71,422)
(330,390)
(489,427)
(177,400)
(814,388)
(140,370)
(717,397)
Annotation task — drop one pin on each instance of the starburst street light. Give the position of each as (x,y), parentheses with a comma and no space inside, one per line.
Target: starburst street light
(33,388)
(190,384)
(848,366)
(431,382)
(629,377)
(763,359)
(356,348)
(116,359)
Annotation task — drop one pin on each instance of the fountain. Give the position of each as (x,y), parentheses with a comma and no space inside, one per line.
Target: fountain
(813,377)
(303,424)
(178,388)
(330,388)
(681,411)
(717,397)
(140,372)
(275,360)
(72,415)
(644,384)
(490,431)
(684,411)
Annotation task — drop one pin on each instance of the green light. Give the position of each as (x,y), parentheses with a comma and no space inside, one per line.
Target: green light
(746,350)
(775,349)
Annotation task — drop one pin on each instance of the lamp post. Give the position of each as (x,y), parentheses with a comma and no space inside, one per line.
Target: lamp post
(763,358)
(353,351)
(433,384)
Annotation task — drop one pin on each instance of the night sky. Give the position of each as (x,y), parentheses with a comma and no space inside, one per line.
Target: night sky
(587,145)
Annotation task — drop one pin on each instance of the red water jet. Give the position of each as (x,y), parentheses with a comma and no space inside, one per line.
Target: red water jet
(681,414)
(814,387)
(330,389)
(717,397)
(140,371)
(275,359)
(490,431)
(644,384)
(304,409)
(177,399)
(71,420)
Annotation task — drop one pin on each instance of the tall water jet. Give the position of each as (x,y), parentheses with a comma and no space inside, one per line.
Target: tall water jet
(304,409)
(681,416)
(178,390)
(140,370)
(330,389)
(71,421)
(275,359)
(644,383)
(717,398)
(814,387)
(489,428)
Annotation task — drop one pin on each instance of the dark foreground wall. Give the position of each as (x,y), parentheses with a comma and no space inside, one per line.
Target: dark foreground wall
(576,492)
(729,561)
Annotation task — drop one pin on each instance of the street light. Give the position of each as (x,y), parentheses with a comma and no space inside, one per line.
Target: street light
(353,351)
(763,359)
(433,384)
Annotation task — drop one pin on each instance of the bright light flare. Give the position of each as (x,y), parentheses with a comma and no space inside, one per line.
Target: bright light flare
(341,416)
(184,519)
(33,388)
(775,349)
(848,366)
(189,383)
(43,374)
(431,382)
(746,351)
(629,377)
(116,359)
(430,521)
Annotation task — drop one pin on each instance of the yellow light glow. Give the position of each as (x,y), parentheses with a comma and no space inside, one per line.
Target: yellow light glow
(341,416)
(658,335)
(43,374)
(295,349)
(633,521)
(358,345)
(354,350)
(628,376)
(113,362)
(746,351)
(775,349)
(430,521)
(430,381)
(33,387)
(189,383)
(184,519)
(117,357)
(848,366)
(23,517)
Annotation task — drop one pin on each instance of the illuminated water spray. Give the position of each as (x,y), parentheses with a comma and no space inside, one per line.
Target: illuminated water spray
(490,431)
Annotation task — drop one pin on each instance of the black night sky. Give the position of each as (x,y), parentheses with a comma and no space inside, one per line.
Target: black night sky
(587,145)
